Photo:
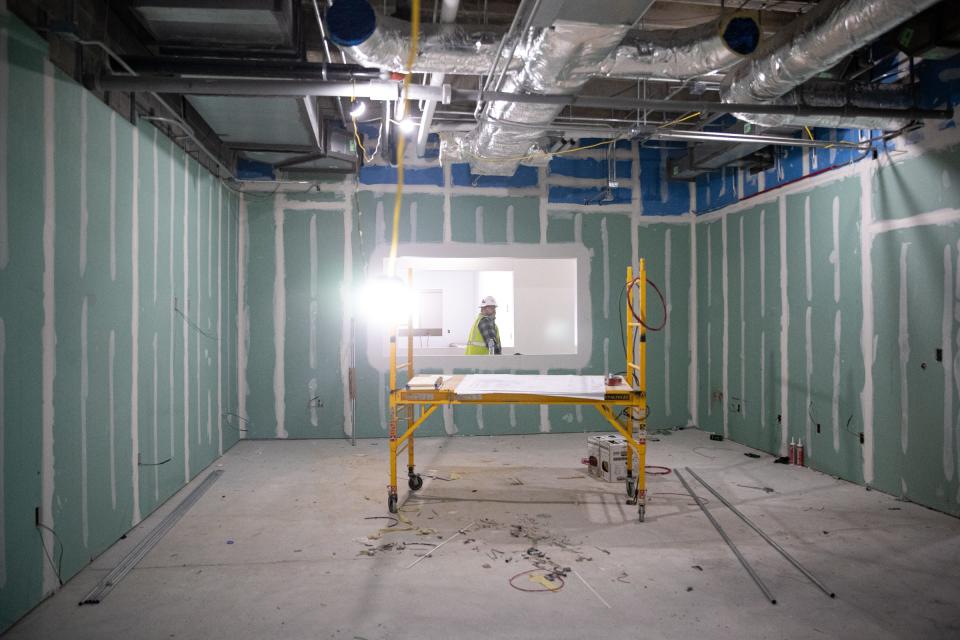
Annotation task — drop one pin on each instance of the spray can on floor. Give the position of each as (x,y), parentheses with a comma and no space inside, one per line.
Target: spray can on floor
(792,452)
(800,452)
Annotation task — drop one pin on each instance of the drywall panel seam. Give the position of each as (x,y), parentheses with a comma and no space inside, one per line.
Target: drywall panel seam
(156,209)
(725,288)
(784,327)
(111,358)
(605,251)
(693,320)
(447,215)
(84,207)
(667,251)
(84,394)
(279,320)
(135,330)
(186,326)
(903,341)
(48,329)
(743,331)
(808,324)
(948,363)
(837,323)
(346,320)
(4,111)
(763,324)
(868,338)
(939,217)
(113,195)
(220,318)
(243,314)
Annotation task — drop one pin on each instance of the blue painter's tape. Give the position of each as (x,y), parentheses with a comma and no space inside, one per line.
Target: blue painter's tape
(586,142)
(588,168)
(524,176)
(386,174)
(716,190)
(588,195)
(660,196)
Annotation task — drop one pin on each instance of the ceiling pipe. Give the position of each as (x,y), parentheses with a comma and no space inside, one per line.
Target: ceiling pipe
(448,15)
(379,90)
(325,71)
(821,38)
(391,91)
(687,106)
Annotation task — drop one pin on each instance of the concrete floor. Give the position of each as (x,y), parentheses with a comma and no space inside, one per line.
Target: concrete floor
(302,565)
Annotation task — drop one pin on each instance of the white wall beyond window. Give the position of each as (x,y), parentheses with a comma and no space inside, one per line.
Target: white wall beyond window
(537,301)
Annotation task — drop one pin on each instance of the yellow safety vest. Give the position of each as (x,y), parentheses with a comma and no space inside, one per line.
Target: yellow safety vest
(475,344)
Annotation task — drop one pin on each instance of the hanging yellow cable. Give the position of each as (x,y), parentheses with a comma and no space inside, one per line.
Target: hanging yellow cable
(679,120)
(398,200)
(809,133)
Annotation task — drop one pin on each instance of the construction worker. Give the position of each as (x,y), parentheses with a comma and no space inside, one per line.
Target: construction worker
(484,337)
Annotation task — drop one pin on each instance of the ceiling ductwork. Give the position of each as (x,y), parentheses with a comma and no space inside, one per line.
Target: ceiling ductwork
(383,43)
(684,53)
(553,55)
(551,59)
(821,39)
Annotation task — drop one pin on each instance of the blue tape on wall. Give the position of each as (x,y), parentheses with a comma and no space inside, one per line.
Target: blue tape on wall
(386,174)
(589,195)
(587,168)
(523,177)
(658,195)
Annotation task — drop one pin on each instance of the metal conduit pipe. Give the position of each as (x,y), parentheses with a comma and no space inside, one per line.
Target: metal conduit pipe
(820,40)
(251,69)
(446,95)
(448,15)
(380,90)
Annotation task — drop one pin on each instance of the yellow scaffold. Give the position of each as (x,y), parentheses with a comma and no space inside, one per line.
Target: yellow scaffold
(624,405)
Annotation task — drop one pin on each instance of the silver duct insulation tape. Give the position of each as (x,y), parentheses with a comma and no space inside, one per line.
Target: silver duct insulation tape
(820,39)
(681,53)
(553,63)
(442,49)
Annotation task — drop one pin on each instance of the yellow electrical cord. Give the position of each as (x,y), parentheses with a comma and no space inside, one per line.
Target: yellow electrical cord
(809,133)
(401,142)
(679,120)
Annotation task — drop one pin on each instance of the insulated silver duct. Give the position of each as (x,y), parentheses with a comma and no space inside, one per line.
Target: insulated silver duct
(552,59)
(674,53)
(447,49)
(683,53)
(821,39)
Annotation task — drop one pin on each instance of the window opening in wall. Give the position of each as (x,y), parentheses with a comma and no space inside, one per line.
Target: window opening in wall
(536,300)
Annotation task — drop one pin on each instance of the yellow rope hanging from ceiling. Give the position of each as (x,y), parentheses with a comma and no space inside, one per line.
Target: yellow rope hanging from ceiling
(401,141)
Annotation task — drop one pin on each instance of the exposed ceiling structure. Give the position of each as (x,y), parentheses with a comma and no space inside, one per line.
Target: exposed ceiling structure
(266,88)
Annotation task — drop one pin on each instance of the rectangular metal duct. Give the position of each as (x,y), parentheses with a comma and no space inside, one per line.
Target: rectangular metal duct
(247,24)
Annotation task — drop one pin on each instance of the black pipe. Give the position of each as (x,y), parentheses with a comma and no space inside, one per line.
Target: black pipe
(685,106)
(181,66)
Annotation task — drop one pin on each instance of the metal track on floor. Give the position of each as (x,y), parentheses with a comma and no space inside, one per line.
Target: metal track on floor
(144,547)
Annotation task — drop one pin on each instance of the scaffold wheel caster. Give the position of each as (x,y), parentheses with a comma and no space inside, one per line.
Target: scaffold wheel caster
(392,502)
(415,482)
(641,512)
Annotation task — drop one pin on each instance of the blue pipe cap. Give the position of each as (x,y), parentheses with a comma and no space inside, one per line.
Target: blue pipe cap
(742,34)
(351,22)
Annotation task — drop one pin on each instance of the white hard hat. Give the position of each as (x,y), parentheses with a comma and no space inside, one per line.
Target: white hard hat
(489,301)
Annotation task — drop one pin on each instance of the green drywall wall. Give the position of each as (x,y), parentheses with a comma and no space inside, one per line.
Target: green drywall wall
(498,220)
(95,361)
(905,211)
